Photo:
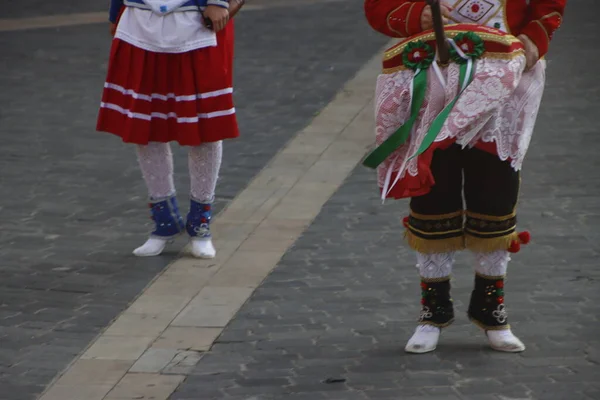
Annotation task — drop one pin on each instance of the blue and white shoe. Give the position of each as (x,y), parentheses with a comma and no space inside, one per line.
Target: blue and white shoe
(168,224)
(198,227)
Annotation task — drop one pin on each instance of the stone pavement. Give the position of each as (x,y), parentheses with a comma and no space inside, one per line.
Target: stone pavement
(331,320)
(74,203)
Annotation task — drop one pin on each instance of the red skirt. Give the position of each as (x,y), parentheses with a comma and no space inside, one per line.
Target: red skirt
(163,97)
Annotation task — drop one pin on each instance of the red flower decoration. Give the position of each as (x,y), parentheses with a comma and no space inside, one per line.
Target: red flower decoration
(475,8)
(423,301)
(466,45)
(500,299)
(207,208)
(524,237)
(203,220)
(423,285)
(418,55)
(470,44)
(499,284)
(515,247)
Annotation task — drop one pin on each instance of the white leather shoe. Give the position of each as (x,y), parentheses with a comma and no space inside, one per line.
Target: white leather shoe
(424,340)
(154,246)
(504,340)
(203,248)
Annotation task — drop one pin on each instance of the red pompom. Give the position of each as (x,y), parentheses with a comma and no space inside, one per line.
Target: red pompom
(405,222)
(423,285)
(499,284)
(525,237)
(423,301)
(515,247)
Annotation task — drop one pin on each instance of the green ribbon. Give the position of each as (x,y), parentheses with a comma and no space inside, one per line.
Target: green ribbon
(400,137)
(439,121)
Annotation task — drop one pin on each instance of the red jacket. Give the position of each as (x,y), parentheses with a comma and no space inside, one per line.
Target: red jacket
(538,20)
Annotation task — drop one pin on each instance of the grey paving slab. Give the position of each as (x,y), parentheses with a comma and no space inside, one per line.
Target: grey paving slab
(331,321)
(74,204)
(40,8)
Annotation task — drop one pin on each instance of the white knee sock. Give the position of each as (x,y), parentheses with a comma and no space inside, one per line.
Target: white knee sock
(204,163)
(437,265)
(496,264)
(156,163)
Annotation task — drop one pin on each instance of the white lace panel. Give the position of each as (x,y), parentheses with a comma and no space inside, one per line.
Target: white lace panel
(156,163)
(204,163)
(500,105)
(393,101)
(436,265)
(511,126)
(494,263)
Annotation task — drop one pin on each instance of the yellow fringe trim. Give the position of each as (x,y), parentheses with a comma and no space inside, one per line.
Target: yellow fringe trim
(482,245)
(428,246)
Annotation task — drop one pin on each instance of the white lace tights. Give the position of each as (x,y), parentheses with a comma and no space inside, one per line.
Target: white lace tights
(439,265)
(204,163)
(436,265)
(494,263)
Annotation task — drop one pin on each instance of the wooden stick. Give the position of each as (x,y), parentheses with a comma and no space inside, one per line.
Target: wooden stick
(440,34)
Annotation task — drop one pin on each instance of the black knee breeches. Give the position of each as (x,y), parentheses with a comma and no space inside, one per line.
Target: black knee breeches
(485,221)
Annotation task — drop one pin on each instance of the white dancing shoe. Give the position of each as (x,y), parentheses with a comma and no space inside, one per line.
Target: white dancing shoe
(203,248)
(505,341)
(154,246)
(424,340)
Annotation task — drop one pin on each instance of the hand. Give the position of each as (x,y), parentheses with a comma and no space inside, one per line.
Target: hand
(112,29)
(218,16)
(427,19)
(532,53)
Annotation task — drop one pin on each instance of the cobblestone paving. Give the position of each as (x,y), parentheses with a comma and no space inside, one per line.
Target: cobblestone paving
(74,204)
(332,320)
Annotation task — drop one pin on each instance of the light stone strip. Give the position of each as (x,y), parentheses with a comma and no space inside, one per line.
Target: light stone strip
(63,20)
(150,348)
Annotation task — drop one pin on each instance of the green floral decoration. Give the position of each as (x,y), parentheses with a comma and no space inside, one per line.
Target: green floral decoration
(470,43)
(418,55)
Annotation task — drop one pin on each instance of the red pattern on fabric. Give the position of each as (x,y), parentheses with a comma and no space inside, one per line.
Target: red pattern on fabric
(183,74)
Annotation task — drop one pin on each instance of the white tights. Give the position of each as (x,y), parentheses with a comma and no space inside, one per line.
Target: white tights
(204,163)
(439,265)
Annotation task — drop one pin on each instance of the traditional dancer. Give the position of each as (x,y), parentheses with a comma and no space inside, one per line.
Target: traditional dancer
(170,79)
(448,131)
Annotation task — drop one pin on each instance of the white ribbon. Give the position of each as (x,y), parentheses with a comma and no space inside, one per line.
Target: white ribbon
(469,63)
(387,188)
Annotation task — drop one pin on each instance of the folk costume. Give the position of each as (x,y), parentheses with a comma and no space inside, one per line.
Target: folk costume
(462,129)
(170,79)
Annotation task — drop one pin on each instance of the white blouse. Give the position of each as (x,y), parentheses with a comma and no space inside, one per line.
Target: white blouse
(176,32)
